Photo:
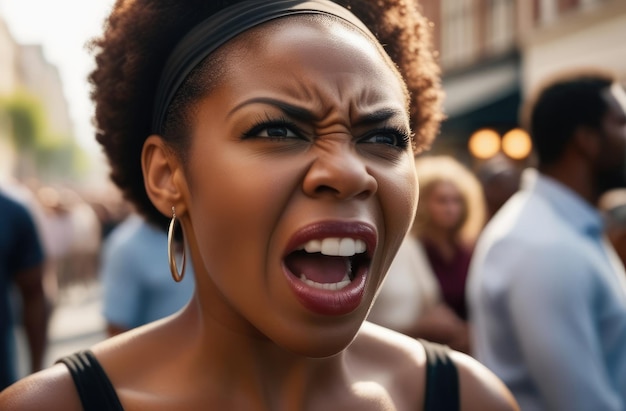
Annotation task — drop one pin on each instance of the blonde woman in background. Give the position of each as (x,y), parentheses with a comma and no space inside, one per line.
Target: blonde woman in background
(424,293)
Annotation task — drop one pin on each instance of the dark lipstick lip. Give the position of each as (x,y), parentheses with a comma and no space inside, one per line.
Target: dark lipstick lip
(334,229)
(327,302)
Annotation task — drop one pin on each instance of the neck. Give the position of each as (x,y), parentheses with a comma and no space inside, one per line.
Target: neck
(576,175)
(439,235)
(443,240)
(250,371)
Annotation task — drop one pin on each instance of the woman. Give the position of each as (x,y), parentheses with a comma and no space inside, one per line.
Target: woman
(426,284)
(278,135)
(450,215)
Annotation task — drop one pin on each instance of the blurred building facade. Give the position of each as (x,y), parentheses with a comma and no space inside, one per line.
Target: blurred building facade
(24,68)
(8,82)
(494,52)
(560,34)
(43,80)
(9,62)
(479,53)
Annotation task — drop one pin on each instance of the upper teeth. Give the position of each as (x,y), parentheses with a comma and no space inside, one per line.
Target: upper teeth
(344,247)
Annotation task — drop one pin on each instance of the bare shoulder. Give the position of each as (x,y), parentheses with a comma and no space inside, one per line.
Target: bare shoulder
(480,389)
(397,361)
(390,345)
(51,389)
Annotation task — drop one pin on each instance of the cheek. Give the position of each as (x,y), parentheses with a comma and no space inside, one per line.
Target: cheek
(433,207)
(622,146)
(235,201)
(398,194)
(457,209)
(438,207)
(615,149)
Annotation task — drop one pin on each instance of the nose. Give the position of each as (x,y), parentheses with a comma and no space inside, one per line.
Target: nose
(340,173)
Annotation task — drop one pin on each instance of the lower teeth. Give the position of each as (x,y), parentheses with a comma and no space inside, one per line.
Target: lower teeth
(326,286)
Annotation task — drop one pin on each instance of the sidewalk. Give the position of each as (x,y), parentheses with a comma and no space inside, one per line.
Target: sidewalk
(76,324)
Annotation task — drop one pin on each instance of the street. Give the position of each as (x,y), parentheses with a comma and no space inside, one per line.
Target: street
(76,324)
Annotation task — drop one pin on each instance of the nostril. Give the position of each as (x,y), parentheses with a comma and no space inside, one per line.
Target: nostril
(342,192)
(326,189)
(343,178)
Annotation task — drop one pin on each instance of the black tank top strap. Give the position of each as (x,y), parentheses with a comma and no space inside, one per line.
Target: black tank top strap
(442,379)
(94,387)
(98,394)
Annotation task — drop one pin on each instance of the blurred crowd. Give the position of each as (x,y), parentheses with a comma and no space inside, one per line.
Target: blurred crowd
(72,224)
(51,239)
(424,294)
(81,239)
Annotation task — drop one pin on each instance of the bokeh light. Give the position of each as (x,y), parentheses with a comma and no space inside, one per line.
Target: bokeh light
(516,144)
(484,143)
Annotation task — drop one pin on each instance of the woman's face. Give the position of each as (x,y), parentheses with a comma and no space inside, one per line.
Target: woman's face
(445,206)
(301,184)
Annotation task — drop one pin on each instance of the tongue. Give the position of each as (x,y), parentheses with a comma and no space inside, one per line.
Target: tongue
(318,267)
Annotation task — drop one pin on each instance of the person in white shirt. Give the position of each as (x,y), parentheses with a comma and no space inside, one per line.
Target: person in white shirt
(547,293)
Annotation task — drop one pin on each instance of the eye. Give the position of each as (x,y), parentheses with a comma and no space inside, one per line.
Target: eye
(390,137)
(274,130)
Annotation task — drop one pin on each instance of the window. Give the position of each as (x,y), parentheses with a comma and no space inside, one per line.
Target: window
(500,26)
(459,35)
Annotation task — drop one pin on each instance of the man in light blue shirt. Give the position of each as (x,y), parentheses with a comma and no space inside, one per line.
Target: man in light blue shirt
(547,294)
(138,286)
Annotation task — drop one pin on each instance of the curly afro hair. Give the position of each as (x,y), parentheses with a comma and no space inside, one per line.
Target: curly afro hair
(140,34)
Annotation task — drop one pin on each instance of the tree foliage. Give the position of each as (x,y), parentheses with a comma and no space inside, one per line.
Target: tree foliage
(25,116)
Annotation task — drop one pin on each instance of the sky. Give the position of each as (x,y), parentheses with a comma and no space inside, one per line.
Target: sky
(63,27)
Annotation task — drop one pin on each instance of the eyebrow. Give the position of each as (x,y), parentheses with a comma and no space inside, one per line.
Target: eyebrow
(289,109)
(378,116)
(302,114)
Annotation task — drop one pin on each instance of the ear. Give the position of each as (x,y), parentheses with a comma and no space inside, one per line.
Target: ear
(163,176)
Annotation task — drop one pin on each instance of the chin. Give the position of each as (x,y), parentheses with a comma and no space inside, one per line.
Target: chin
(324,350)
(319,344)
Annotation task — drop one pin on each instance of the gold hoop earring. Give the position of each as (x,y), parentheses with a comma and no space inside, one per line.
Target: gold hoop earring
(171,252)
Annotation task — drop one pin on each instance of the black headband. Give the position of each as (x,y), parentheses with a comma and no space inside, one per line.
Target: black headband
(213,32)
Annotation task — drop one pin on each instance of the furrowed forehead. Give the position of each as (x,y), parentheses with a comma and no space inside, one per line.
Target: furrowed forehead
(203,39)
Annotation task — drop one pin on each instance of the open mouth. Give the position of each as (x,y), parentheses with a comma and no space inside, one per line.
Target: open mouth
(329,263)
